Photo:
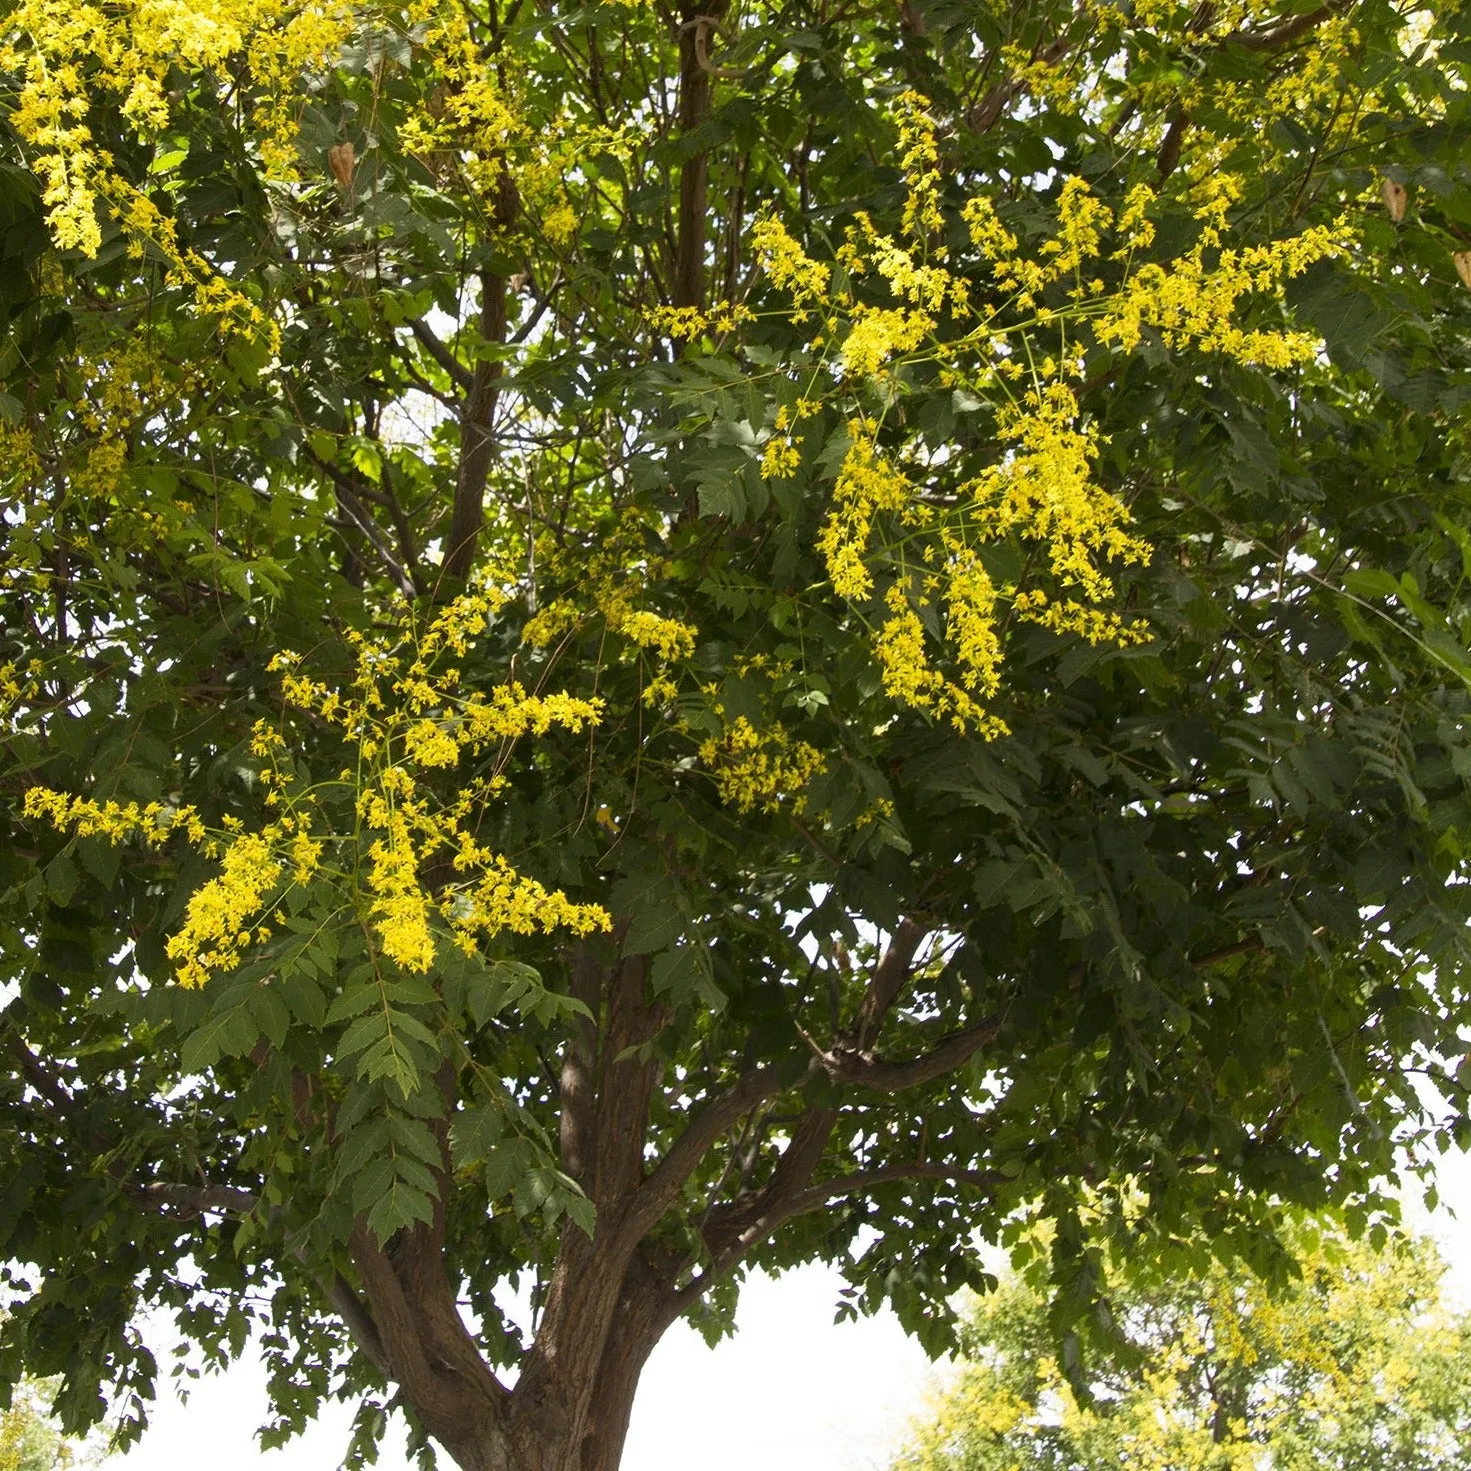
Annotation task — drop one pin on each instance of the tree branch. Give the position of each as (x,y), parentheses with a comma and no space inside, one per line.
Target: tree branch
(36,1075)
(889,978)
(1288,32)
(225,1200)
(229,1200)
(986,113)
(697,17)
(1248,946)
(349,499)
(454,369)
(814,1197)
(866,1071)
(477,439)
(662,1187)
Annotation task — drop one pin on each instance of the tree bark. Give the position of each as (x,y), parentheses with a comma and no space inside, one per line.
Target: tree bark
(611,1296)
(698,19)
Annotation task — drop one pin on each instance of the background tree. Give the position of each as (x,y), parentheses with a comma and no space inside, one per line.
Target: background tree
(29,1440)
(643,640)
(1356,1364)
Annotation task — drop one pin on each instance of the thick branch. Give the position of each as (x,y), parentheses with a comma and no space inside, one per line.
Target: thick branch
(1288,32)
(577,1085)
(455,370)
(423,1383)
(945,1056)
(37,1076)
(719,1115)
(225,1200)
(815,1197)
(729,1226)
(627,1072)
(1249,946)
(477,437)
(889,978)
(1168,158)
(988,110)
(698,17)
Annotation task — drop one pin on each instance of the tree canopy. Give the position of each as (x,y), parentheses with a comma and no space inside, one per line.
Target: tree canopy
(1356,1364)
(644,640)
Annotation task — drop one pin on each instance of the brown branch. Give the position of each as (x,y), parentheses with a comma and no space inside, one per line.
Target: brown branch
(814,1197)
(1249,946)
(36,1075)
(770,1217)
(697,17)
(627,1073)
(728,1227)
(1167,160)
(889,978)
(1288,32)
(429,1351)
(866,1071)
(225,1200)
(398,1328)
(477,438)
(577,1086)
(659,1191)
(987,112)
(455,370)
(349,495)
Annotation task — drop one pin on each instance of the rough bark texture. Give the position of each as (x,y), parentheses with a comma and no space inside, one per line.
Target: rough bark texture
(698,20)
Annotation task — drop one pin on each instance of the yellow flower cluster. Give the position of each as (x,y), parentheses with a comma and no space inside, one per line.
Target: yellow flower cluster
(909,676)
(1192,304)
(69,55)
(219,919)
(877,333)
(888,527)
(781,457)
(761,768)
(685,323)
(402,719)
(867,484)
(502,899)
(608,581)
(117,821)
(919,155)
(790,268)
(1045,491)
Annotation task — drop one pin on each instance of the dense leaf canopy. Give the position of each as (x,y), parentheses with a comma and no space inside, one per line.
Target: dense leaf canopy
(643,640)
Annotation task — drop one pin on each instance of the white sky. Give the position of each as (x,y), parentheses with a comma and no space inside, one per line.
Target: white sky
(792,1391)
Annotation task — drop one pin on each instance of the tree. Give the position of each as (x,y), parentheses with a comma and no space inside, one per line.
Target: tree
(28,1439)
(1356,1364)
(643,641)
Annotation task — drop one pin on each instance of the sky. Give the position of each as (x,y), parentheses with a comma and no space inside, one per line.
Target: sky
(791,1391)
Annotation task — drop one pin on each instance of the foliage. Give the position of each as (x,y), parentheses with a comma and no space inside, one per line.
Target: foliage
(29,1441)
(642,640)
(1358,1363)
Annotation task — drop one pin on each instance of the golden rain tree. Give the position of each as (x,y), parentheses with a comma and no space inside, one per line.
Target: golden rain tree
(639,641)
(1356,1365)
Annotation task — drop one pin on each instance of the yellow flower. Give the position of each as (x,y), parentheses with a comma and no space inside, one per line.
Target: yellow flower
(764,768)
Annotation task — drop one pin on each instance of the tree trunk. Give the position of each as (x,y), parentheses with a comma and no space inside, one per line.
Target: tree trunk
(612,1296)
(576,1419)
